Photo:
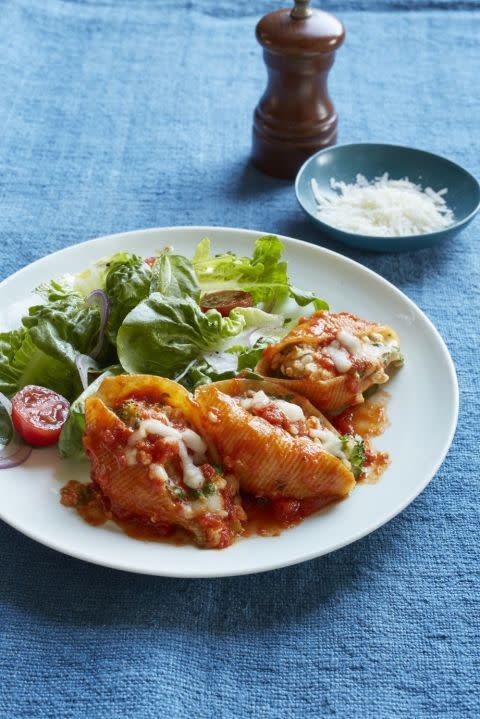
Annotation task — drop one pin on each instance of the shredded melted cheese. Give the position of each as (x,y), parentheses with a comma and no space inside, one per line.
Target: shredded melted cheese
(330,441)
(339,356)
(259,400)
(383,208)
(347,346)
(185,439)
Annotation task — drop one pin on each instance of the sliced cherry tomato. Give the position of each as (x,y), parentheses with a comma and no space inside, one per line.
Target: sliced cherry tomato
(150,261)
(38,415)
(225,301)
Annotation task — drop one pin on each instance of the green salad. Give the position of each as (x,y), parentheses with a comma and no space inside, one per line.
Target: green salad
(129,314)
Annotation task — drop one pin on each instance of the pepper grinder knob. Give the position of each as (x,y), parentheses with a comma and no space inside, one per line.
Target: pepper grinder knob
(295,116)
(301,10)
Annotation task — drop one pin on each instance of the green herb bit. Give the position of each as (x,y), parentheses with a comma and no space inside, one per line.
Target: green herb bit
(128,411)
(209,489)
(357,458)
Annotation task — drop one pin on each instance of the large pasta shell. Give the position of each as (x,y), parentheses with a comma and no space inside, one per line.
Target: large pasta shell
(266,459)
(133,492)
(114,391)
(329,395)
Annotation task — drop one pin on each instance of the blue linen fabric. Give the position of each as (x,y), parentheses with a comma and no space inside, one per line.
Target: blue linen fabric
(123,115)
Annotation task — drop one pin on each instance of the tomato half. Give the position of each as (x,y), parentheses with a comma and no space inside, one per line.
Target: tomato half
(225,301)
(38,415)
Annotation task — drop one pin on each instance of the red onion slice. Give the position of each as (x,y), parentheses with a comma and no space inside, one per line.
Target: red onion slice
(100,298)
(16,451)
(13,460)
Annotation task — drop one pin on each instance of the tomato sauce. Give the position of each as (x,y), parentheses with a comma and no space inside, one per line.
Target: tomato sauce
(368,420)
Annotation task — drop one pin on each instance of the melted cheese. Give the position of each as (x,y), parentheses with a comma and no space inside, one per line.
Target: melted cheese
(259,400)
(329,440)
(192,475)
(213,503)
(131,456)
(351,343)
(154,426)
(339,356)
(185,439)
(292,412)
(366,350)
(158,471)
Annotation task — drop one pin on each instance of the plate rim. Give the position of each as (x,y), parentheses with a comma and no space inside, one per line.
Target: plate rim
(306,556)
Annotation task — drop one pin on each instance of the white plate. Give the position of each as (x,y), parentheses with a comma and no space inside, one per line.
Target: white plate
(423,411)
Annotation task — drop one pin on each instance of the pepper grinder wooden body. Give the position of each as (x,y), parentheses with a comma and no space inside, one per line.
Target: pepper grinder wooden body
(295,116)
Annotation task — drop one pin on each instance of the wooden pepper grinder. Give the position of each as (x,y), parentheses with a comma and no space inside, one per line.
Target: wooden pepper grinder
(295,116)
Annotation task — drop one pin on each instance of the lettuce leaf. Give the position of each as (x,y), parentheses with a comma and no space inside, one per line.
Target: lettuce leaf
(23,362)
(163,335)
(303,298)
(264,275)
(200,372)
(44,350)
(127,283)
(249,357)
(174,276)
(85,281)
(69,318)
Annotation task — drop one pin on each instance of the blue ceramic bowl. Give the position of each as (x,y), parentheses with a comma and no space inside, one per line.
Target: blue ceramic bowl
(345,162)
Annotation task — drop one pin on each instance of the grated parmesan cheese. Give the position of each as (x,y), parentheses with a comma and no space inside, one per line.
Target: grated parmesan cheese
(383,208)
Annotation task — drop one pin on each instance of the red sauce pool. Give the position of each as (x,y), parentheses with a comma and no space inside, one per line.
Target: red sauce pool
(269,519)
(88,502)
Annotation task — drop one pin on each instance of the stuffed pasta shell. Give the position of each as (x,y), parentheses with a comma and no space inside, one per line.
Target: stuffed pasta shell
(152,463)
(332,358)
(276,442)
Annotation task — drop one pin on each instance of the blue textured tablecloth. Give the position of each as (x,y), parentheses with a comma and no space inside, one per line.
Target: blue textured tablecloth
(117,115)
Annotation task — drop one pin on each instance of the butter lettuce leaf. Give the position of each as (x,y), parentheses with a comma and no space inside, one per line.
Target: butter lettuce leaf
(85,281)
(264,274)
(127,283)
(66,319)
(173,276)
(163,335)
(23,362)
(45,349)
